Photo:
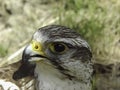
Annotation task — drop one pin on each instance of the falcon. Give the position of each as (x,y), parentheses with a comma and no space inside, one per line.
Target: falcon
(61,59)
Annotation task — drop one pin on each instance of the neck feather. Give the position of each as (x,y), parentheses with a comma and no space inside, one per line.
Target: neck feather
(49,78)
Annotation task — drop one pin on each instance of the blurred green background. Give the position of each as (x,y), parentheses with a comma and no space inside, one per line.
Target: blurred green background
(98,21)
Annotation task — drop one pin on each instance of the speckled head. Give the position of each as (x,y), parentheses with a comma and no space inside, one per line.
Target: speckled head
(60,52)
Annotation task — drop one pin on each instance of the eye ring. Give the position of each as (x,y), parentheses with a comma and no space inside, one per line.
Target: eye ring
(58,48)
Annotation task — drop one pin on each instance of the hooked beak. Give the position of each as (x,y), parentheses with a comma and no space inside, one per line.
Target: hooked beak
(33,52)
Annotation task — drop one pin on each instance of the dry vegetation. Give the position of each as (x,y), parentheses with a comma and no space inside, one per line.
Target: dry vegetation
(96,20)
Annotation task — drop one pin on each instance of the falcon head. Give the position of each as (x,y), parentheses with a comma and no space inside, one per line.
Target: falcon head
(61,52)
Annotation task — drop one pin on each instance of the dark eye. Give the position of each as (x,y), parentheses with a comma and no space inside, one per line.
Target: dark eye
(58,48)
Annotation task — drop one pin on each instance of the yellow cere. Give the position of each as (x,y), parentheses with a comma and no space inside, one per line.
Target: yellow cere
(37,46)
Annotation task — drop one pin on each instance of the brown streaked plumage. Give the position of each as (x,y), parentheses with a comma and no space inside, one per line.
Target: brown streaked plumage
(62,58)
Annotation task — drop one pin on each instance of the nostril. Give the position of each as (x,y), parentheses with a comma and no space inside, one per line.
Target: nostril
(36,46)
